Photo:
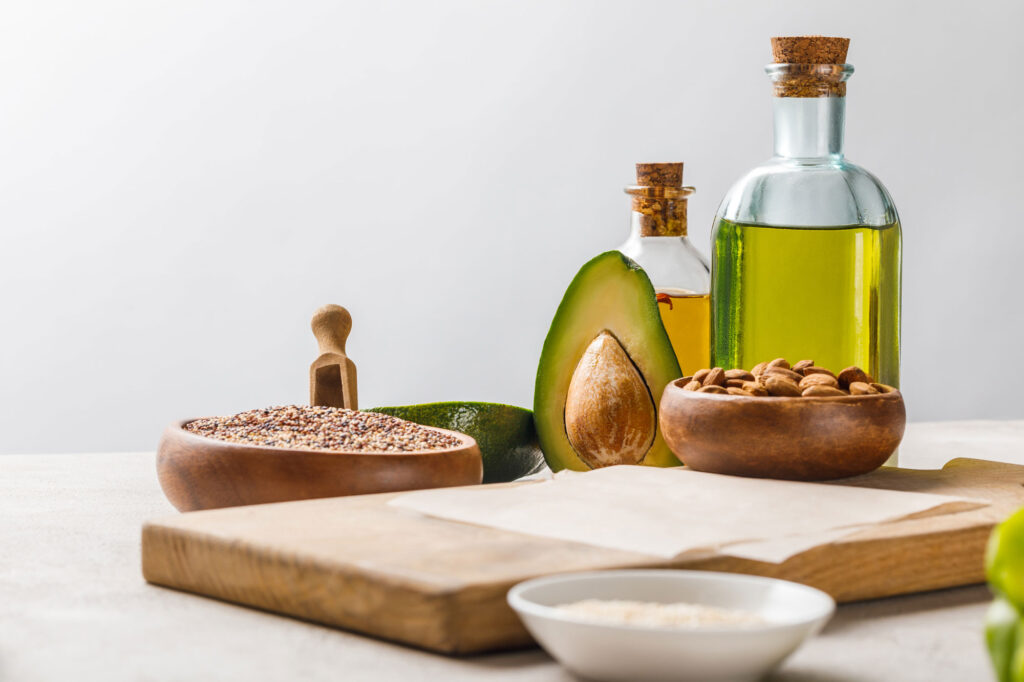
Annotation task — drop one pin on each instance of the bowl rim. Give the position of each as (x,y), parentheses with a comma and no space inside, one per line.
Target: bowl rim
(466,443)
(676,387)
(522,604)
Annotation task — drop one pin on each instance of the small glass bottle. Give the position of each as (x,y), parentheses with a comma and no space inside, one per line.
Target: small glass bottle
(806,247)
(679,273)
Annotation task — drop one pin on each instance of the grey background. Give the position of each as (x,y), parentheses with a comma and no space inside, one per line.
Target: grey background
(182,183)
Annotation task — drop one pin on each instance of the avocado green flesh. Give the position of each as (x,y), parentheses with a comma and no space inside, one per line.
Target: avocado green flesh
(613,293)
(505,433)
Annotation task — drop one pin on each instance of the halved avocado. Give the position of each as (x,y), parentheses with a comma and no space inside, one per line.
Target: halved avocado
(610,305)
(505,433)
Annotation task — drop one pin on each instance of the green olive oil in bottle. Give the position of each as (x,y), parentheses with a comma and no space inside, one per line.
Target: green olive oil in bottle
(806,248)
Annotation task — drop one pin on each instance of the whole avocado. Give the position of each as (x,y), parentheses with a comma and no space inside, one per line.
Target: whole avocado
(505,433)
(1004,622)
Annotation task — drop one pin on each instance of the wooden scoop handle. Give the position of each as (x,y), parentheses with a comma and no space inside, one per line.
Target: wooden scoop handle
(331,326)
(332,376)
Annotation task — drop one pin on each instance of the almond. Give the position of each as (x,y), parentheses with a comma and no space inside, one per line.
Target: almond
(779,362)
(818,370)
(732,390)
(740,374)
(818,380)
(754,388)
(782,371)
(883,388)
(759,369)
(692,386)
(862,388)
(853,374)
(781,386)
(822,390)
(716,377)
(802,365)
(712,388)
(734,383)
(700,374)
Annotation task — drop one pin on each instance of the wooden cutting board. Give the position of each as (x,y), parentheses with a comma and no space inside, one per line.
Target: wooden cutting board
(358,564)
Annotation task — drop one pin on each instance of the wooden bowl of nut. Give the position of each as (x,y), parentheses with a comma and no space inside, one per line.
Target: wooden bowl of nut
(797,422)
(299,452)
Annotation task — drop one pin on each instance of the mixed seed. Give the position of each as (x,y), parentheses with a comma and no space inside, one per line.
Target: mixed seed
(322,428)
(778,378)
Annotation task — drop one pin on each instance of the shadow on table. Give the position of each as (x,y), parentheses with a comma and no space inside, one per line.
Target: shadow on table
(520,658)
(524,660)
(529,661)
(536,658)
(810,676)
(851,614)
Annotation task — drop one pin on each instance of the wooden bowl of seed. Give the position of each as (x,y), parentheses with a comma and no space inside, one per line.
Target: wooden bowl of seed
(799,422)
(288,453)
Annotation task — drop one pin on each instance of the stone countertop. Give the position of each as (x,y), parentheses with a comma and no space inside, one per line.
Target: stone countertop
(73,604)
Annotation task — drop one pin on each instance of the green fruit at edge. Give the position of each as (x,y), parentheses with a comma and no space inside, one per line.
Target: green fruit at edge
(1003,637)
(1004,623)
(1004,559)
(612,294)
(505,433)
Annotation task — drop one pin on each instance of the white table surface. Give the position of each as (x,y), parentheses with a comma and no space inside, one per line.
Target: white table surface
(73,604)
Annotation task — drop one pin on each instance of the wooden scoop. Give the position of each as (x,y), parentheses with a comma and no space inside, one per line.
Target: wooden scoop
(332,376)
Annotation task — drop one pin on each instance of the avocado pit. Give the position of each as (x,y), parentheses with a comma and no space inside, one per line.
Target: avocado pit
(609,413)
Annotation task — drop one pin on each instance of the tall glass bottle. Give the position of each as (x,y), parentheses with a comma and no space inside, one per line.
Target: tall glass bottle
(806,247)
(679,273)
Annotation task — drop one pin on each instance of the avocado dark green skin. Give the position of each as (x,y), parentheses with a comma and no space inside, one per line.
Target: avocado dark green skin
(505,433)
(610,293)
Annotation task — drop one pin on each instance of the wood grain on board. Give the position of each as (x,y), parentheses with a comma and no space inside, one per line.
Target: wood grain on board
(358,564)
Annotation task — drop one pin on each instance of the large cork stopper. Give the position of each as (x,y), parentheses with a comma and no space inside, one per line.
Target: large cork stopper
(815,66)
(660,198)
(809,50)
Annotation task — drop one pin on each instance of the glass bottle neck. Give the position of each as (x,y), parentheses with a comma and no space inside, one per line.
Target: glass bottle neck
(671,262)
(639,228)
(809,127)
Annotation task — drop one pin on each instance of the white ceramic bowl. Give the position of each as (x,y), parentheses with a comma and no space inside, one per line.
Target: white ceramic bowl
(630,653)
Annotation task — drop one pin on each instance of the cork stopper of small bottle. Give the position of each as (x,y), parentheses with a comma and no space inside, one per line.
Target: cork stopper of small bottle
(809,50)
(660,174)
(810,66)
(660,198)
